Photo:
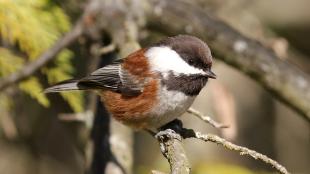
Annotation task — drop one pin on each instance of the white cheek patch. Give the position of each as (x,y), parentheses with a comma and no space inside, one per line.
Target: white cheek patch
(164,59)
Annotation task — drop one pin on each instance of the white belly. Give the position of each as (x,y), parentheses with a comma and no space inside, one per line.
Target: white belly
(171,104)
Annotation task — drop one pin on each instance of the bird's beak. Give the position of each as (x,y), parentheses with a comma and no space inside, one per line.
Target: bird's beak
(210,74)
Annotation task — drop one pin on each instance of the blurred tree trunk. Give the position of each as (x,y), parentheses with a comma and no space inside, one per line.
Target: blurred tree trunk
(112,141)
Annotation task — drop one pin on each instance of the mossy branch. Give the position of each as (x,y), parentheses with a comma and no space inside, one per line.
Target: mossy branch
(42,60)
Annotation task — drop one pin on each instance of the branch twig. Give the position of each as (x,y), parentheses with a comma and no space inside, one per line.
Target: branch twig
(206,118)
(241,150)
(84,117)
(107,49)
(157,172)
(170,143)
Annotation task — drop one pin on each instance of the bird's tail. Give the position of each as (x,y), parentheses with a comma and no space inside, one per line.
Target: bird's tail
(66,85)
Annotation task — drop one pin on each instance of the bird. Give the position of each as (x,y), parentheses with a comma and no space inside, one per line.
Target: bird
(151,86)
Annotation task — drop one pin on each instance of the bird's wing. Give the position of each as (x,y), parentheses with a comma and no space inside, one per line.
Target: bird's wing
(112,77)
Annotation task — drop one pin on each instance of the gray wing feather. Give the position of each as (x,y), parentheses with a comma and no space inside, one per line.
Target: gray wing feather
(112,77)
(66,85)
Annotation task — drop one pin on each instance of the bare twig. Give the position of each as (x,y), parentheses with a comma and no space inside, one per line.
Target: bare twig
(172,150)
(84,117)
(42,60)
(97,50)
(157,172)
(206,118)
(7,124)
(107,49)
(241,150)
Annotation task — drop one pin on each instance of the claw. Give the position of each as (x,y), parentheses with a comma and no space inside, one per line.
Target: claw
(168,133)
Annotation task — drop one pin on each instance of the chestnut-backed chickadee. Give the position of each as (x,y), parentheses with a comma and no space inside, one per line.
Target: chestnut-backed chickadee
(153,85)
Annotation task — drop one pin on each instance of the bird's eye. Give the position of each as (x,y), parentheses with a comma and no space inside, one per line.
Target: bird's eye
(191,61)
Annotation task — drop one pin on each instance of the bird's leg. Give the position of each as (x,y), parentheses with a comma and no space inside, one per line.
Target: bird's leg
(150,132)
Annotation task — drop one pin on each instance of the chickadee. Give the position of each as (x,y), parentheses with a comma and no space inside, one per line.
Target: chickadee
(152,86)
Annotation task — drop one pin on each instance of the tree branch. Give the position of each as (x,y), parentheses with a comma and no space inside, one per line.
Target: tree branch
(241,150)
(284,80)
(206,119)
(42,60)
(171,147)
(170,142)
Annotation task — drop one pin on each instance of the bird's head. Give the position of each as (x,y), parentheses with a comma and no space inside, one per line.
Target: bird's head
(183,54)
(184,58)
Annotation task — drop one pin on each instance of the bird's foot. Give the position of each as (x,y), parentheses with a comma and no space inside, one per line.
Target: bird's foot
(167,134)
(175,125)
(170,130)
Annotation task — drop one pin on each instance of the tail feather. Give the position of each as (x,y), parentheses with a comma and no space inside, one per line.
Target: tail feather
(67,85)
